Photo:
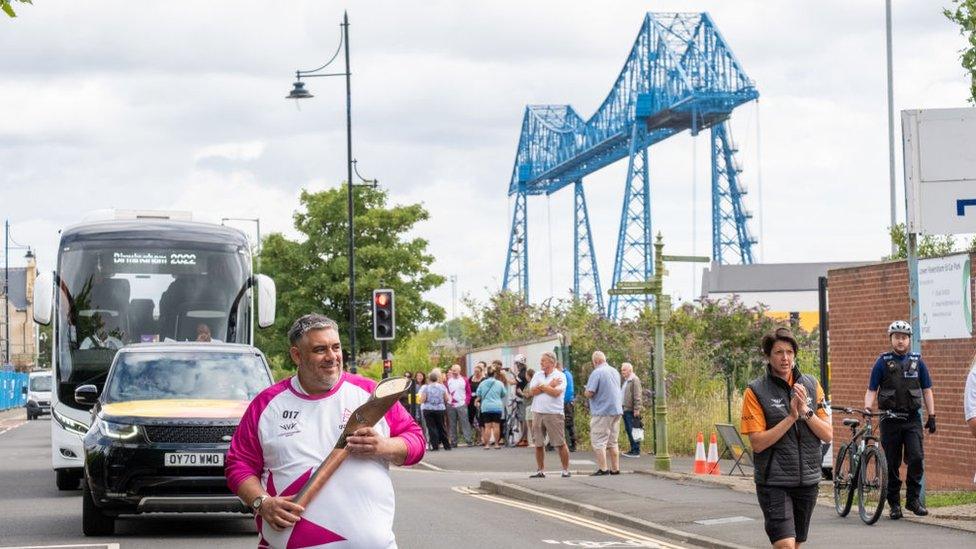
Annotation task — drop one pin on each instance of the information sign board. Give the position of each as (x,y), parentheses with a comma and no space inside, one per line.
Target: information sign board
(940,170)
(944,297)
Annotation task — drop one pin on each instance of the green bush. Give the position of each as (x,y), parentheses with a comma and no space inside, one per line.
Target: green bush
(708,346)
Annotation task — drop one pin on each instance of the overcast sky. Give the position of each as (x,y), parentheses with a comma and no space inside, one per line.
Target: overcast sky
(180,106)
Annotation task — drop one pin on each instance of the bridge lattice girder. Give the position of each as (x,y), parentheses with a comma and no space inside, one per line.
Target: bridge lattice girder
(680,74)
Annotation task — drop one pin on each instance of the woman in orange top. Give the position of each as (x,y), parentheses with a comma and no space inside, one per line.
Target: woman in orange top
(785,416)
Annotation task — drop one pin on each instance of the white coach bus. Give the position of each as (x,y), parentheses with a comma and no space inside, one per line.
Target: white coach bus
(136,277)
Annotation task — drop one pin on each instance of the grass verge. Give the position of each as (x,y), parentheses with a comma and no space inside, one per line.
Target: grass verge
(949,498)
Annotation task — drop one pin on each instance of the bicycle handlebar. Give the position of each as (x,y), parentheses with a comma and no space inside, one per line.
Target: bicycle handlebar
(884,414)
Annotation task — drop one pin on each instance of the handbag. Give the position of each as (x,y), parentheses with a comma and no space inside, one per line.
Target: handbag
(637,431)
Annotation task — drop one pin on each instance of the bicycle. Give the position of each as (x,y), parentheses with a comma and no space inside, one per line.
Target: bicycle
(513,422)
(861,464)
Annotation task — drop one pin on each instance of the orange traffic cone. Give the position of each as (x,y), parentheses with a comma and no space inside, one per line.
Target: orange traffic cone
(701,467)
(713,465)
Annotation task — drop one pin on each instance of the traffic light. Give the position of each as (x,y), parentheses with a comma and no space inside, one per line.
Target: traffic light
(384,317)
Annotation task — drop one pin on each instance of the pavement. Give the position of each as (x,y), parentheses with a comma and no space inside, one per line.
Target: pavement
(12,418)
(704,511)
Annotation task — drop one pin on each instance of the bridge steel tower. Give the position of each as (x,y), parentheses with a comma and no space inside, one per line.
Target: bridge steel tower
(680,75)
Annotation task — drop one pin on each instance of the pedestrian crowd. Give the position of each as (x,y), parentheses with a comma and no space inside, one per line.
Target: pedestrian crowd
(499,406)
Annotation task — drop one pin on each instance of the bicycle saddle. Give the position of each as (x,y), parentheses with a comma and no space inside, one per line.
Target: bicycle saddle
(851,422)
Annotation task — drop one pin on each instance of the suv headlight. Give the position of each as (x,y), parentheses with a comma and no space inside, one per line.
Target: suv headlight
(69,424)
(118,431)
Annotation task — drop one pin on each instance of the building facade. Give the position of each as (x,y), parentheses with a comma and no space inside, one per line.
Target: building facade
(17,318)
(787,290)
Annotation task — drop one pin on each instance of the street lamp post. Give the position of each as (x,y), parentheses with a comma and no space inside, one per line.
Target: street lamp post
(891,127)
(299,92)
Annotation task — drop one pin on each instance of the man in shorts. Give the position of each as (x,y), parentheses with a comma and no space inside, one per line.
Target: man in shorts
(546,389)
(606,409)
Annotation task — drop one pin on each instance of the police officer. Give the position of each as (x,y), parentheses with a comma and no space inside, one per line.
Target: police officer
(901,383)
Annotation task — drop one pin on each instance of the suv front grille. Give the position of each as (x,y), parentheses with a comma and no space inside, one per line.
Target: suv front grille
(189,433)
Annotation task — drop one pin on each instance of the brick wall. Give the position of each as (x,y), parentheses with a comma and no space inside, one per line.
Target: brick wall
(863,301)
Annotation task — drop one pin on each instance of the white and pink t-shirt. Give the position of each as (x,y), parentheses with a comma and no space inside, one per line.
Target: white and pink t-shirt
(284,436)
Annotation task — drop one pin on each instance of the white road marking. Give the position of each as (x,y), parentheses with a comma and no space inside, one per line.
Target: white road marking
(5,427)
(723,520)
(429,465)
(641,540)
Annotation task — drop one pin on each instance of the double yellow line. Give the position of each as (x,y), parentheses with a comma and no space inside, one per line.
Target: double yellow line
(572,519)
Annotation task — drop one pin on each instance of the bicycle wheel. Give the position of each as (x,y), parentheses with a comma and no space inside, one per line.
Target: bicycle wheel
(844,480)
(873,485)
(514,431)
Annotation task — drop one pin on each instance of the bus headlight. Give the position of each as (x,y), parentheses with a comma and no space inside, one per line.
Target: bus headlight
(69,424)
(118,431)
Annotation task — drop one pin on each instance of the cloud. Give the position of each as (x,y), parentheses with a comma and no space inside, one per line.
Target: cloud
(110,103)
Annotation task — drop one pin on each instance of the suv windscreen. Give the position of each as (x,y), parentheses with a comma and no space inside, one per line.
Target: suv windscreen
(40,384)
(187,375)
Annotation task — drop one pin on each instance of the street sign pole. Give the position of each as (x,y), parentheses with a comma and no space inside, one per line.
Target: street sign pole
(662,459)
(662,312)
(385,355)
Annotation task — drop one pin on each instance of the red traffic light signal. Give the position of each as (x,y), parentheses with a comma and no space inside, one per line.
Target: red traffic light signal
(384,319)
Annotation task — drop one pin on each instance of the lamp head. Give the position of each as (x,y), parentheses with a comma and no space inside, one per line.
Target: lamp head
(299,91)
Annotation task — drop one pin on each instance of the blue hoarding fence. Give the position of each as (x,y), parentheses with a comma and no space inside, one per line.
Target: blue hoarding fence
(12,389)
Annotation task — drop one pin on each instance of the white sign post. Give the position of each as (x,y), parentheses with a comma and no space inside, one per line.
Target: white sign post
(940,198)
(943,297)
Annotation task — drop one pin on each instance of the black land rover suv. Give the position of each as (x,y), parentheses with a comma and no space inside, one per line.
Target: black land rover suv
(161,428)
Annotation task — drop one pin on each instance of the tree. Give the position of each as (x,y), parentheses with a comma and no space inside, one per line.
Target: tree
(45,340)
(311,274)
(8,9)
(964,15)
(928,245)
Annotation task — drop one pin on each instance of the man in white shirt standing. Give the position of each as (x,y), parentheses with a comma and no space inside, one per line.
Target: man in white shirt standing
(546,389)
(457,412)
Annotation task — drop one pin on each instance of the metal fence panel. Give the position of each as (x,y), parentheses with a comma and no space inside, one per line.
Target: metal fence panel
(11,389)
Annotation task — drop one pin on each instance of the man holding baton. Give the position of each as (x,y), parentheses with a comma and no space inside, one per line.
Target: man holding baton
(289,429)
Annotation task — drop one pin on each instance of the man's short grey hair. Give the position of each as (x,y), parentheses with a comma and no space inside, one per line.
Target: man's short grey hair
(550,355)
(306,323)
(599,357)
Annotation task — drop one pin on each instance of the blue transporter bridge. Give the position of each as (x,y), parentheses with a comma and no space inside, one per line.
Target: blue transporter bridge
(680,75)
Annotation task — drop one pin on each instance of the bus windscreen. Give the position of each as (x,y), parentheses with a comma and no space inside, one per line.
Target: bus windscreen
(114,294)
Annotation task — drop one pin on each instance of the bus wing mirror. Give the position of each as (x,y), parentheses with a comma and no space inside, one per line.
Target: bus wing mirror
(267,297)
(43,298)
(86,394)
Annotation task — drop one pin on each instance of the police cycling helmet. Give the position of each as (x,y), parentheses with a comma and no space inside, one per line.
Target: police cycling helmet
(900,327)
(520,359)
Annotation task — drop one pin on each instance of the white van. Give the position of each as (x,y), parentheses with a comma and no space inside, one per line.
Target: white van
(38,392)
